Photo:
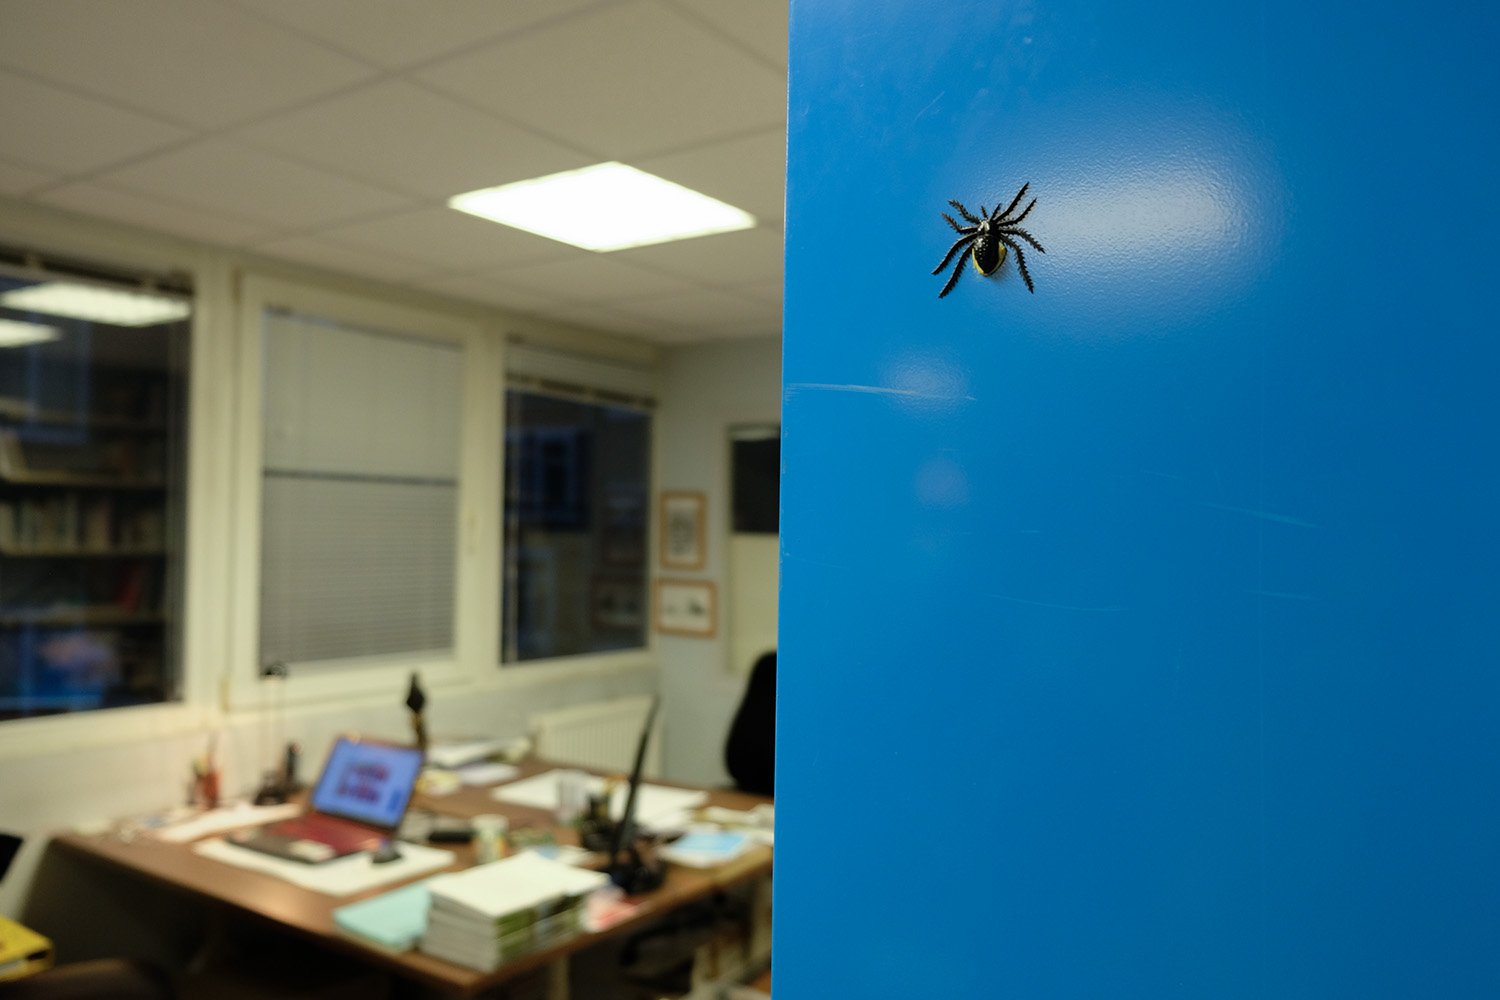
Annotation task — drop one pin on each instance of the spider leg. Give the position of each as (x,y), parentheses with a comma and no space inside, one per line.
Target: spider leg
(963,211)
(1020,260)
(1012,230)
(1011,222)
(1019,194)
(956,227)
(957,270)
(958,244)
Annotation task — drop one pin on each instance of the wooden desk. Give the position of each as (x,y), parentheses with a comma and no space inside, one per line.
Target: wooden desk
(310,914)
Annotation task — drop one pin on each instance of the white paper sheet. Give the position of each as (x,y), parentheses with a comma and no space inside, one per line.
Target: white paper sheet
(340,877)
(485,773)
(455,755)
(227,818)
(655,805)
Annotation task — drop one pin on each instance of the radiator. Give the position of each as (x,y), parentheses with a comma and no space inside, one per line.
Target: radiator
(602,735)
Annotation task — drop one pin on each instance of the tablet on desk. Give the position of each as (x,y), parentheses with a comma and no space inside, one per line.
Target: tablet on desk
(358,802)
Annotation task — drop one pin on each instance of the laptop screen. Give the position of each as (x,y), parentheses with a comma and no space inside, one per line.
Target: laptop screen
(368,783)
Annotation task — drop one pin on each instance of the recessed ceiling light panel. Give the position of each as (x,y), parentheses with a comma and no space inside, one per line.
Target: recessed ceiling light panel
(608,206)
(119,307)
(15,333)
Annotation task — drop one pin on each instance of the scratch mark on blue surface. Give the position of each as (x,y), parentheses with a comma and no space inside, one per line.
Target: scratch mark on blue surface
(1284,596)
(1163,475)
(939,97)
(879,390)
(1048,604)
(1263,514)
(787,557)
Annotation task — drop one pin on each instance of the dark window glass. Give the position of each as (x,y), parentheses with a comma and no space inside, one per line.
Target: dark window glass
(576,487)
(92,433)
(756,477)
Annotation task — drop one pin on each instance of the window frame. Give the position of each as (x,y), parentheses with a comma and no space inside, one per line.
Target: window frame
(637,396)
(209,417)
(375,678)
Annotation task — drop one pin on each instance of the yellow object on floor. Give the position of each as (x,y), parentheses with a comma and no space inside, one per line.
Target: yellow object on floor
(22,951)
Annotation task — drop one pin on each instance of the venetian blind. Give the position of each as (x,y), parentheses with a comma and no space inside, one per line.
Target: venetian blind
(359,491)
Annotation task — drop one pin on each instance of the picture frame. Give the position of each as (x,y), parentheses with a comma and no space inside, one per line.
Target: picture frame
(687,607)
(683,530)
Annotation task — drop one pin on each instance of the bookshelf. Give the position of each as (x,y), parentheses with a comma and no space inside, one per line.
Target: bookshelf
(84,539)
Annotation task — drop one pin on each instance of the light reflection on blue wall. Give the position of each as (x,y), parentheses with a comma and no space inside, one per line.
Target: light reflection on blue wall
(1155,210)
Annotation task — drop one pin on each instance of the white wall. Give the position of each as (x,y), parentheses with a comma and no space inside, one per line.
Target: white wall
(705,389)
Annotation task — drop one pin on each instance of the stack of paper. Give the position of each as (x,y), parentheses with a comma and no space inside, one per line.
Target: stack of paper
(490,914)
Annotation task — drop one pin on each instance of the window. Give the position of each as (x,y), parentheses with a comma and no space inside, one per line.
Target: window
(577,477)
(755,499)
(359,493)
(93,388)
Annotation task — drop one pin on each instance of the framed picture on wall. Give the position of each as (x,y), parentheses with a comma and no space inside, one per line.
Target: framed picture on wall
(687,607)
(682,530)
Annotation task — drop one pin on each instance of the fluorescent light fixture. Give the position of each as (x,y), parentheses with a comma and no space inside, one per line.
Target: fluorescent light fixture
(608,206)
(16,333)
(120,307)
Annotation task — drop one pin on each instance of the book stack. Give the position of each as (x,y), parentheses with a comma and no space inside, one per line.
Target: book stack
(490,914)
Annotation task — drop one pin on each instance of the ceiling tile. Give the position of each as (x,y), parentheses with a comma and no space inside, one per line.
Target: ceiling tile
(48,127)
(411,139)
(219,175)
(591,277)
(745,257)
(487,289)
(704,310)
(152,213)
(612,81)
(603,320)
(748,172)
(758,24)
(449,240)
(337,257)
(16,179)
(204,64)
(398,33)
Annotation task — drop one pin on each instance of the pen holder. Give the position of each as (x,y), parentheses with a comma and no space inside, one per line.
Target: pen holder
(205,789)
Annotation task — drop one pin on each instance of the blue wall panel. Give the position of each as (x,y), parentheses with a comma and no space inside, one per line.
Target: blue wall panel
(1138,635)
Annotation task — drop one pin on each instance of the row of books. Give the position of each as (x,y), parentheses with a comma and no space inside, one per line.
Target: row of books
(69,521)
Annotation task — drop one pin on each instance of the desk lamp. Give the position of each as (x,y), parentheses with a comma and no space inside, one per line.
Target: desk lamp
(634,873)
(416,700)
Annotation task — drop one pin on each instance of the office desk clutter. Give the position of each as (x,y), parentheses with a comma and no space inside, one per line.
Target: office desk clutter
(439,914)
(660,808)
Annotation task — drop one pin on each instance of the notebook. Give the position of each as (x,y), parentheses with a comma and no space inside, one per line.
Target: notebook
(359,800)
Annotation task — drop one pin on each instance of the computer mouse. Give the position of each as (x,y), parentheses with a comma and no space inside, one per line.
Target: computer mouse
(385,853)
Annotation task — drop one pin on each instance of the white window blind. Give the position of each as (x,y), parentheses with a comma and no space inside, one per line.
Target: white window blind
(360,491)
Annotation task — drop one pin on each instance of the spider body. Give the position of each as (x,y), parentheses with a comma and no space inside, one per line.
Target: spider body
(989,235)
(988,252)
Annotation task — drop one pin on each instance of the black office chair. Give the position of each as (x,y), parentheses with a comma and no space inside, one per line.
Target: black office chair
(750,750)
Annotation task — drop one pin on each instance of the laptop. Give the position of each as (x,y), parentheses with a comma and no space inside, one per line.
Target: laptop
(358,802)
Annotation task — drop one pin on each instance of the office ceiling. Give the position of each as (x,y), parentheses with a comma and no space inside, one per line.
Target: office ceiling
(332,132)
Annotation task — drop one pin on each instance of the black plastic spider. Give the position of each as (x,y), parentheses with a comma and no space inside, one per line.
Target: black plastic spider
(990,235)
